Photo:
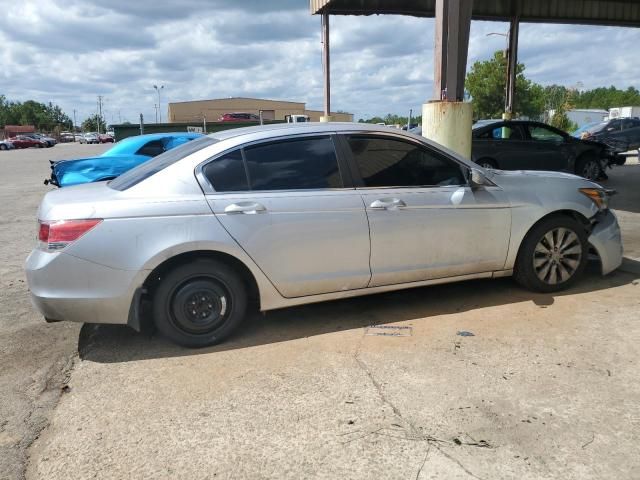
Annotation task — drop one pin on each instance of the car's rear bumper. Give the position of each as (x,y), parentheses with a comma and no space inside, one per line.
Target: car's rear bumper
(64,287)
(607,240)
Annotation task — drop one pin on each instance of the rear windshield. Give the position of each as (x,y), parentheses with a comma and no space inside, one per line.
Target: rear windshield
(153,166)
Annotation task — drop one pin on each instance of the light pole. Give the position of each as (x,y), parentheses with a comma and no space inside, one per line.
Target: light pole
(158,89)
(508,105)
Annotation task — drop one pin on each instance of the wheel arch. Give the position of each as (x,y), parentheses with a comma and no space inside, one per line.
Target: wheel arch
(237,265)
(140,311)
(573,214)
(587,154)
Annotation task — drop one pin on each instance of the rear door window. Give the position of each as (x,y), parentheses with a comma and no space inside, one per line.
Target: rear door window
(306,163)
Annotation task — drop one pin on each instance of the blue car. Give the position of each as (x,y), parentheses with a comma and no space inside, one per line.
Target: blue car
(123,156)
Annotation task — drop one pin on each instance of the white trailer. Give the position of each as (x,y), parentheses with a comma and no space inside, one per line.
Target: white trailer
(297,118)
(624,112)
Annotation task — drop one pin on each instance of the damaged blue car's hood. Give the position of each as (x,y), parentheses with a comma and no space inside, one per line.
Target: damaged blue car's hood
(123,156)
(93,169)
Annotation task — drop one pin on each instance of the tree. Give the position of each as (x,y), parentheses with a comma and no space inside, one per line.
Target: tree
(44,117)
(486,82)
(563,100)
(392,119)
(94,123)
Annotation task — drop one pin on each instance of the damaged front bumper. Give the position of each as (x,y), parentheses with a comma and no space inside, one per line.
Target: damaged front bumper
(606,239)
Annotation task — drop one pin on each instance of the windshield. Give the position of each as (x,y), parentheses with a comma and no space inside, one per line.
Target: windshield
(153,166)
(123,146)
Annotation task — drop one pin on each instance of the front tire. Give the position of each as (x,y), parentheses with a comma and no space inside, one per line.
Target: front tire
(588,167)
(487,163)
(553,255)
(3,146)
(200,303)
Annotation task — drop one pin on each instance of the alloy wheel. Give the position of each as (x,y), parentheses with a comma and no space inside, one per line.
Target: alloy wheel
(557,256)
(591,170)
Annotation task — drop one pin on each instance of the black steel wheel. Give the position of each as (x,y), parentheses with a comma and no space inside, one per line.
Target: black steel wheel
(200,303)
(553,255)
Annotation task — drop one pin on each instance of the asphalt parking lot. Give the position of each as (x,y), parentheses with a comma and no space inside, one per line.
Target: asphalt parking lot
(546,387)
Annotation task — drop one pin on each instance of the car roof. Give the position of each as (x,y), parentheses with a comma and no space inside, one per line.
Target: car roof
(274,131)
(295,128)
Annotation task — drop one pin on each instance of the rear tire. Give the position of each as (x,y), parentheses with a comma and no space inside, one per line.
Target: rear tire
(553,255)
(199,304)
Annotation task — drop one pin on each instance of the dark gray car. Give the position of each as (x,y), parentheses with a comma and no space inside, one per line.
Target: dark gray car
(525,145)
(620,134)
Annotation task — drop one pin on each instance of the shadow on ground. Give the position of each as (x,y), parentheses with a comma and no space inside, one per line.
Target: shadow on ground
(119,343)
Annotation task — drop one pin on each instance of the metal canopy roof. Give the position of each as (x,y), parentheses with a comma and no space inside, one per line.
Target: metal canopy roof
(589,12)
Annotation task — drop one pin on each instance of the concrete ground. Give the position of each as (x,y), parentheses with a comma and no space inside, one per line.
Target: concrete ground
(35,358)
(547,386)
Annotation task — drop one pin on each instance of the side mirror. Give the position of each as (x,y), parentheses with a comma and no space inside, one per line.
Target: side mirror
(478,179)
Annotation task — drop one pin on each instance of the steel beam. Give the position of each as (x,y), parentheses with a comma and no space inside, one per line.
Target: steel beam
(326,65)
(453,23)
(512,65)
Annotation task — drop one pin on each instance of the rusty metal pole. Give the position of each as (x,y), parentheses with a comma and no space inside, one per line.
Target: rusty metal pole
(512,65)
(447,118)
(326,68)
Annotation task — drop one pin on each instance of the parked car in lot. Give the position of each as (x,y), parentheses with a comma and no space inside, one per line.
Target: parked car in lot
(6,145)
(620,135)
(105,138)
(123,156)
(302,213)
(521,144)
(239,117)
(23,141)
(50,141)
(89,138)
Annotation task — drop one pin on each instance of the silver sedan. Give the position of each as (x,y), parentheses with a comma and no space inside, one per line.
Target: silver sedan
(294,214)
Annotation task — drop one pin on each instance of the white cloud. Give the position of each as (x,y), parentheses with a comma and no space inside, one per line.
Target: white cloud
(68,52)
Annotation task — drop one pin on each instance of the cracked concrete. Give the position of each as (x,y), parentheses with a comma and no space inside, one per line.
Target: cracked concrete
(34,357)
(547,387)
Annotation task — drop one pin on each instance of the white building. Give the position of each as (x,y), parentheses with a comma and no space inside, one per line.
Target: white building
(582,116)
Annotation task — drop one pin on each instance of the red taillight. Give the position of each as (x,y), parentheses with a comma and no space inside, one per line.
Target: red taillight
(59,234)
(43,232)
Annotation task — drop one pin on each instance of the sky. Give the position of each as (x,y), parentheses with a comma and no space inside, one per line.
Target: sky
(70,51)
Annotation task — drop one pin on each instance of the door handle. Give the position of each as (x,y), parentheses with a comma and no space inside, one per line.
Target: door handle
(387,203)
(245,207)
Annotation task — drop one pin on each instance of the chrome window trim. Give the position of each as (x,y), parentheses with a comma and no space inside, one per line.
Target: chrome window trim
(207,187)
